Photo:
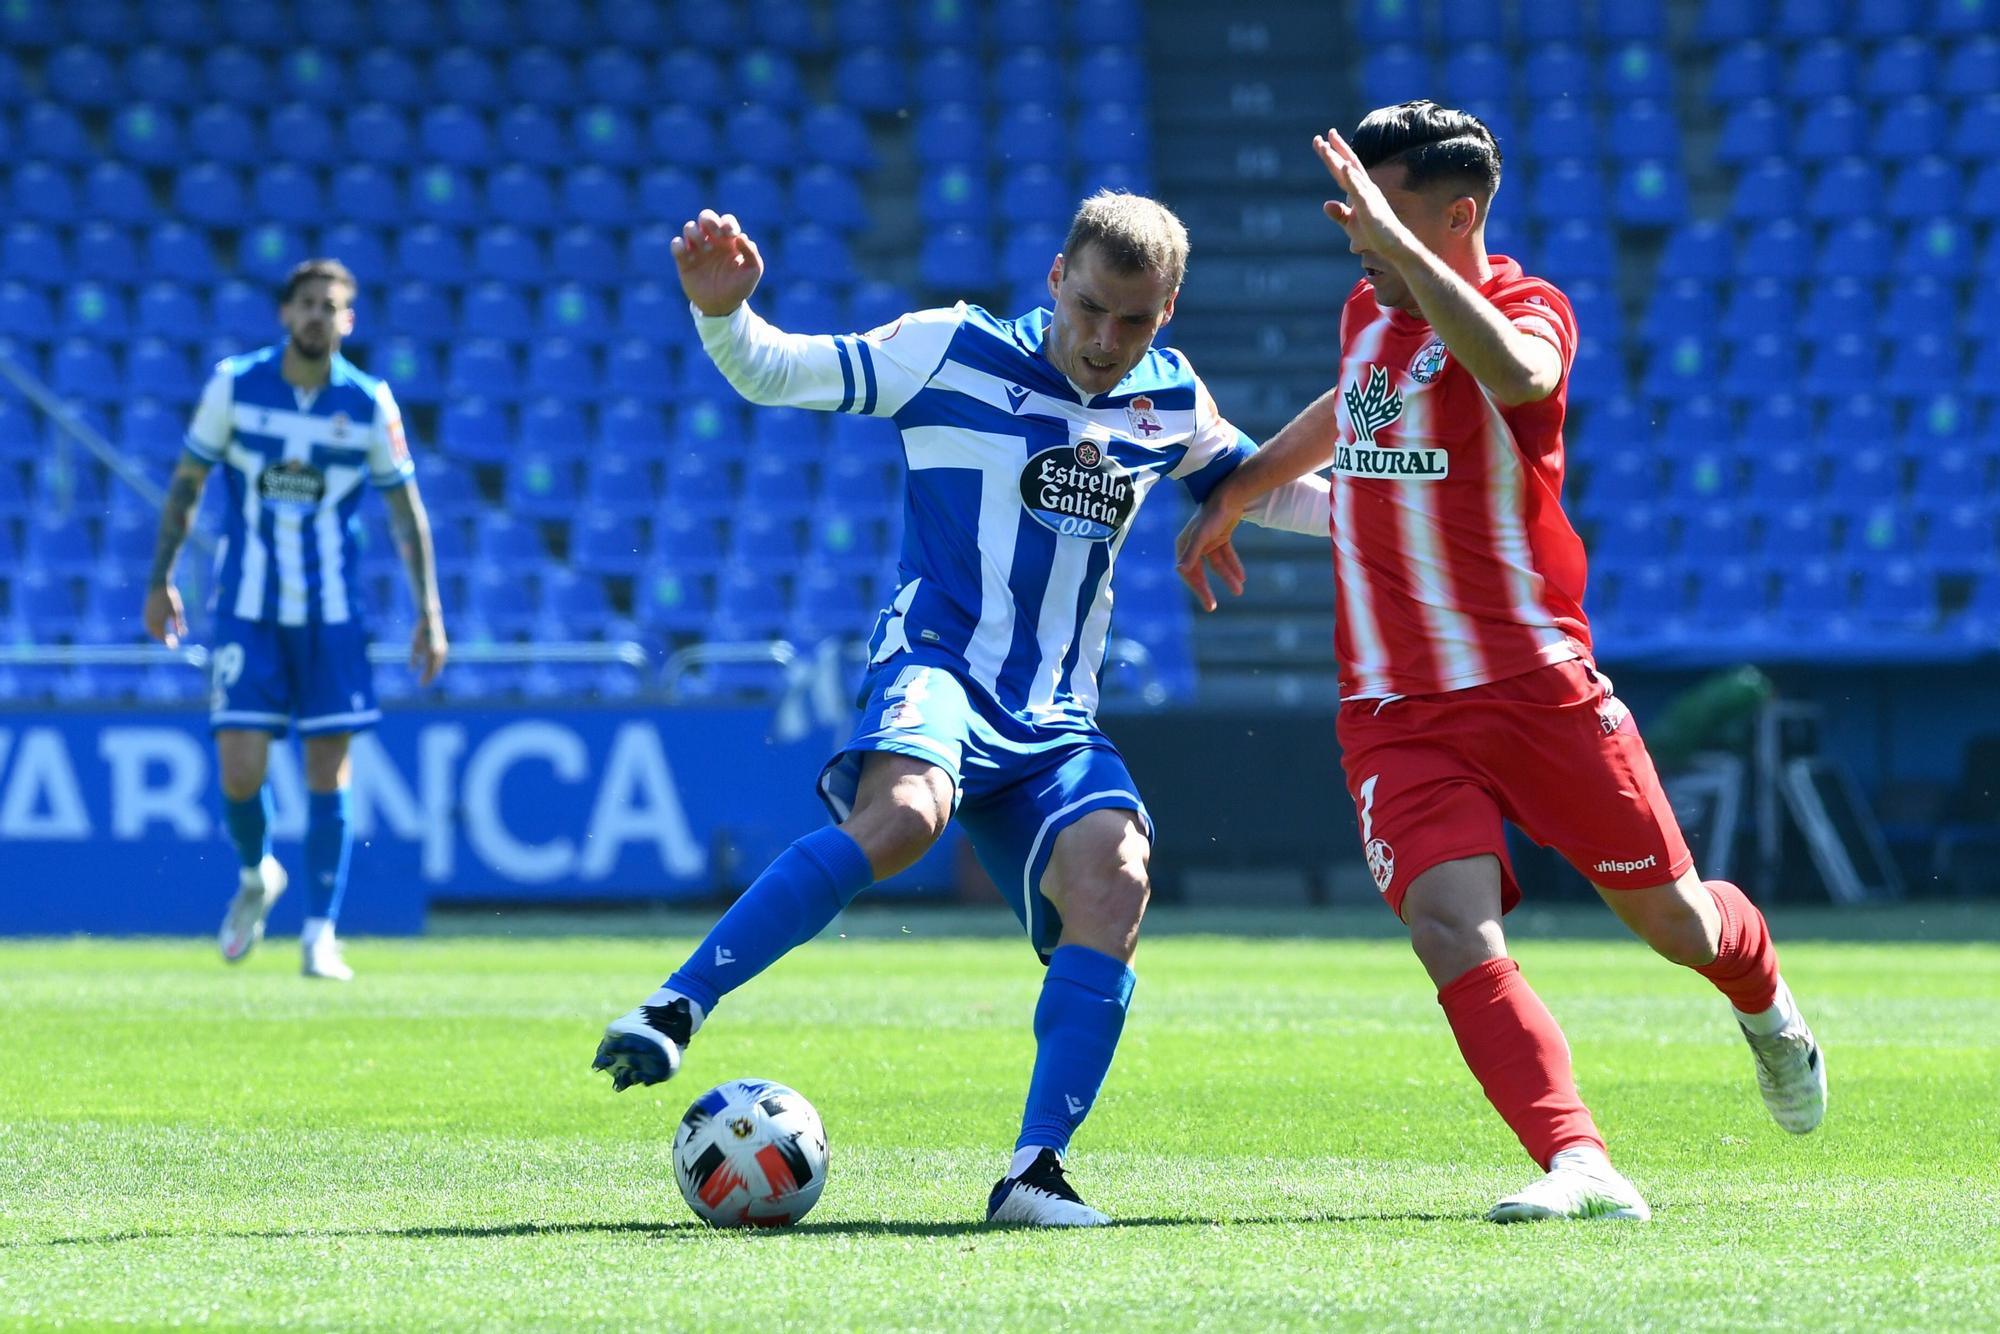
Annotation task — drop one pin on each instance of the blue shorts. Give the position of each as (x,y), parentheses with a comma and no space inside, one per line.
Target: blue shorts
(262,675)
(1015,786)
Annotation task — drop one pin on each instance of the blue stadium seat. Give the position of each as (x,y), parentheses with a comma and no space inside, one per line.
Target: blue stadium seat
(1018,68)
(1975,136)
(366,193)
(698,484)
(468,77)
(1834,188)
(608,135)
(762,137)
(96,310)
(1105,22)
(53,133)
(268,251)
(1904,67)
(1381,22)
(1636,71)
(693,77)
(1112,132)
(455,134)
(779,486)
(561,368)
(497,310)
(670,193)
(948,75)
(572,311)
(1679,308)
(509,255)
(284,192)
(45,605)
(1475,72)
(593,194)
(1768,189)
(1745,70)
(360,248)
(1030,133)
(313,76)
(44,193)
(1911,128)
(673,597)
(1838,364)
(1939,245)
(584,254)
(1564,129)
(837,135)
(877,303)
(1779,248)
(236,74)
(446,194)
(475,429)
(483,367)
(1959,537)
(385,74)
(1684,366)
(83,369)
(541,75)
(430,253)
(1554,21)
(378,133)
(1397,73)
(618,486)
(147,135)
(1857,419)
(1753,130)
(957,258)
(152,74)
(409,367)
(29,25)
(1580,250)
(1857,248)
(935,23)
(244,313)
(806,307)
(540,484)
(954,132)
(1973,67)
(836,195)
(1116,71)
(1703,475)
(1759,362)
(629,425)
(871,79)
(116,192)
(1557,69)
(83,76)
(1923,365)
(638,369)
(860,23)
(819,254)
(1820,69)
(420,310)
(770,77)
(954,192)
(530,134)
(1782,476)
(1652,192)
(1924,188)
(1863,476)
(306,133)
(616,77)
(645,27)
(1800,20)
(684,136)
(36,254)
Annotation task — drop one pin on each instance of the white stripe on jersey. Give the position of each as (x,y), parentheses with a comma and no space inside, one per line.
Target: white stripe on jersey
(1357,599)
(999,522)
(1506,496)
(288,546)
(256,557)
(1096,625)
(1453,637)
(330,534)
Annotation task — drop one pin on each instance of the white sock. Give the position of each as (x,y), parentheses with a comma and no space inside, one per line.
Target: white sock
(1770,1021)
(667,996)
(1024,1158)
(1584,1156)
(315,927)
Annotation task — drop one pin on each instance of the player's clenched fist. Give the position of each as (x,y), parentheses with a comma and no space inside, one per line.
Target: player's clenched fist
(719,265)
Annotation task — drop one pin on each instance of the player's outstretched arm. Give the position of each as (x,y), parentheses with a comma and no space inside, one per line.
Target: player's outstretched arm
(165,619)
(1514,367)
(411,525)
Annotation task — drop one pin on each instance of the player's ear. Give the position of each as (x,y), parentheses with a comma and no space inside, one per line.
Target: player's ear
(1464,215)
(1055,276)
(1167,311)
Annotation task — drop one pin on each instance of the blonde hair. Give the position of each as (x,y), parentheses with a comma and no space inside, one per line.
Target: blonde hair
(1135,234)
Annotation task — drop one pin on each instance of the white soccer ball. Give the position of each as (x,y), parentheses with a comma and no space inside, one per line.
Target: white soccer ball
(750,1153)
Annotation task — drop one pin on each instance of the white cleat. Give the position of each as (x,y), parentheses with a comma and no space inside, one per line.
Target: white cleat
(323,958)
(1580,1184)
(1041,1197)
(1791,1074)
(243,927)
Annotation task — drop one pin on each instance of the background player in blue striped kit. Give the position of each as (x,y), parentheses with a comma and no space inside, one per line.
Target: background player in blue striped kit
(297,429)
(1029,445)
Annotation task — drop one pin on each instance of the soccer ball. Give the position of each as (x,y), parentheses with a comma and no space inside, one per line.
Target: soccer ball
(750,1153)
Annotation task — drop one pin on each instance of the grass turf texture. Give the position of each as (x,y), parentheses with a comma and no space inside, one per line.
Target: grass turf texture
(1288,1138)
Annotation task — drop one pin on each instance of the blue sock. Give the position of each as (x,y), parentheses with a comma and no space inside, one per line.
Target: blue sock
(249,825)
(1077,1023)
(328,843)
(795,898)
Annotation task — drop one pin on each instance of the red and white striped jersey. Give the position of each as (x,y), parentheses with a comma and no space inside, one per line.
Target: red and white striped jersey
(1453,561)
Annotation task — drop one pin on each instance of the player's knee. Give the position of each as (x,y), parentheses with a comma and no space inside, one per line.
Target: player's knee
(899,825)
(1449,944)
(1681,938)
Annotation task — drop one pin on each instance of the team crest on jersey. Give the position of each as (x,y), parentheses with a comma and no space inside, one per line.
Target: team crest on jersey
(1381,863)
(341,424)
(1371,405)
(1145,422)
(1071,491)
(1429,363)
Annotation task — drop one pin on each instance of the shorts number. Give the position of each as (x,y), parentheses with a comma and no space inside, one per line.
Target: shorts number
(225,669)
(1368,806)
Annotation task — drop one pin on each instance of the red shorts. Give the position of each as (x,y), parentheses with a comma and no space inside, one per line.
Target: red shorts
(1433,776)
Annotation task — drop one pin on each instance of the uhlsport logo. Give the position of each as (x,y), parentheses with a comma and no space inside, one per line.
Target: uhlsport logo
(1381,863)
(1610,867)
(1372,405)
(1429,363)
(1077,490)
(1145,423)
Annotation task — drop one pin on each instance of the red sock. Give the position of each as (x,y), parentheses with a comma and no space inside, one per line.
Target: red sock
(1517,1053)
(1746,962)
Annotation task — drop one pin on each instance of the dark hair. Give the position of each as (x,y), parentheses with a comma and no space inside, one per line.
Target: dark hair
(1135,234)
(330,269)
(1435,145)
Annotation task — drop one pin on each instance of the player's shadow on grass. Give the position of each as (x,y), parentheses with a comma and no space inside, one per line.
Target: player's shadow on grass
(691,1228)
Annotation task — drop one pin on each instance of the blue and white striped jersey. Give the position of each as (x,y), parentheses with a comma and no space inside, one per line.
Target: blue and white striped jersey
(1020,489)
(295,460)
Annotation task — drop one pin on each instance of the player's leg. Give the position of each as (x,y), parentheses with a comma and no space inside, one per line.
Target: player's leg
(242,755)
(336,700)
(249,702)
(1713,928)
(329,846)
(1512,1044)
(900,806)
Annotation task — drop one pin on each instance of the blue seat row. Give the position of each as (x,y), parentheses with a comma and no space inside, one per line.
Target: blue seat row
(1808,75)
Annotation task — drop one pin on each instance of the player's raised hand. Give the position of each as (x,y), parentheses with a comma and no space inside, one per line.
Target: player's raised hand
(428,649)
(719,265)
(163,615)
(1204,545)
(1366,216)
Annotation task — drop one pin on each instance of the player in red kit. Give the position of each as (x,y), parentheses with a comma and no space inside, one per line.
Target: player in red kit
(1468,691)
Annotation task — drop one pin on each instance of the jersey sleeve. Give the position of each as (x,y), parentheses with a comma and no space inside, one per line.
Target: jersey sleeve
(208,431)
(389,461)
(1215,450)
(873,374)
(1544,314)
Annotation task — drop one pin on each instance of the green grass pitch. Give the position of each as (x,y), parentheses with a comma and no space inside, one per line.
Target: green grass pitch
(1288,1138)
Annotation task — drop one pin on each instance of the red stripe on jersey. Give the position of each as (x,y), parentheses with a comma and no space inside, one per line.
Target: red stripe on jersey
(1455,563)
